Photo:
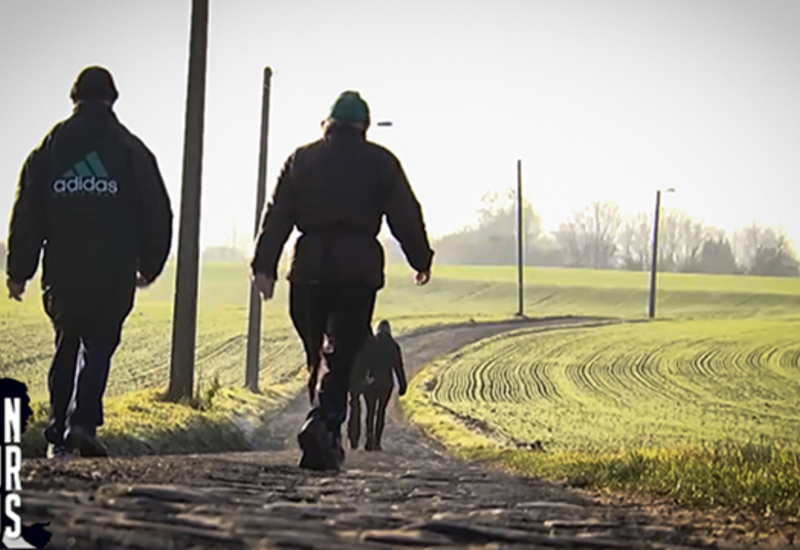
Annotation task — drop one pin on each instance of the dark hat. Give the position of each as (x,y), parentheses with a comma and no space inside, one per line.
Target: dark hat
(384,327)
(349,107)
(94,83)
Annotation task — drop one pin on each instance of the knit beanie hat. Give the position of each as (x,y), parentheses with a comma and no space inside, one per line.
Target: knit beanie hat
(94,83)
(349,107)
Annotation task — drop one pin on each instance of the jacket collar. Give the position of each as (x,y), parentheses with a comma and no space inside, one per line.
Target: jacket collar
(344,132)
(93,108)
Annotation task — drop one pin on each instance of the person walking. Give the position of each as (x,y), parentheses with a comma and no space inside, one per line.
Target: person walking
(335,191)
(91,197)
(385,363)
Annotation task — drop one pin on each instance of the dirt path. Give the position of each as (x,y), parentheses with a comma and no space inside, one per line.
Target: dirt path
(410,495)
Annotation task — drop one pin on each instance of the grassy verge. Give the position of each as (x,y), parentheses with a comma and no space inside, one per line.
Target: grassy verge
(219,419)
(760,477)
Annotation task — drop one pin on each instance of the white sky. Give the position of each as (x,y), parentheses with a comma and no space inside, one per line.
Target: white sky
(601,99)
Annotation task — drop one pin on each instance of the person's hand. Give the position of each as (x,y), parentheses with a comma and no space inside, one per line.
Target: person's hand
(141,281)
(15,290)
(422,277)
(265,285)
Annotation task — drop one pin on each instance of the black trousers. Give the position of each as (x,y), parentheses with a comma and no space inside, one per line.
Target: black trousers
(354,420)
(344,314)
(377,401)
(78,376)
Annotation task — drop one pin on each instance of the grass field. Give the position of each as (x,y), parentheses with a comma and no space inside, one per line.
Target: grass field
(701,410)
(456,294)
(666,383)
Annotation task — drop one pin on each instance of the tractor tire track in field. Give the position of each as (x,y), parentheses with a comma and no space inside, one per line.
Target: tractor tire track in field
(410,495)
(639,386)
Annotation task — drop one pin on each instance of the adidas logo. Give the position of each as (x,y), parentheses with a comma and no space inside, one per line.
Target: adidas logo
(88,176)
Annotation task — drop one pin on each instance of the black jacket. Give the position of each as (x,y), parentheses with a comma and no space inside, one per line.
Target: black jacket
(336,191)
(92,198)
(378,363)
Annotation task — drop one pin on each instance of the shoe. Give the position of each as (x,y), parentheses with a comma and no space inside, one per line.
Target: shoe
(319,448)
(86,443)
(61,452)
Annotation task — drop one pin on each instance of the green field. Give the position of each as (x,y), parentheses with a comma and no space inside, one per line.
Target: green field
(700,404)
(456,294)
(631,385)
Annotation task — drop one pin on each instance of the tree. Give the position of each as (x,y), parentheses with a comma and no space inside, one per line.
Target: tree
(680,239)
(493,240)
(589,238)
(765,251)
(716,256)
(635,246)
(777,261)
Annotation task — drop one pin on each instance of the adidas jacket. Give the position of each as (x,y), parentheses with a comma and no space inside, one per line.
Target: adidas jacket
(336,191)
(92,198)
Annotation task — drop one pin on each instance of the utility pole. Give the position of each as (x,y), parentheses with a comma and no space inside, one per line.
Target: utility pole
(254,319)
(184,324)
(520,232)
(651,303)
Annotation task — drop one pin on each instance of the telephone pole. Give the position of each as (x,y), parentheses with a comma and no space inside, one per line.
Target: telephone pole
(254,319)
(184,324)
(520,232)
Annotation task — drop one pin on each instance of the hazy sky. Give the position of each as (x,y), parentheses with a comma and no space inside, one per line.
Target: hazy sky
(601,99)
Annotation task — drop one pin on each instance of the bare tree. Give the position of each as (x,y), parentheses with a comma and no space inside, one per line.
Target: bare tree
(635,246)
(748,240)
(493,239)
(680,240)
(589,238)
(765,251)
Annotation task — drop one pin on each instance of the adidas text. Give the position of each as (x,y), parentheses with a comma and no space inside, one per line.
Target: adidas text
(85,184)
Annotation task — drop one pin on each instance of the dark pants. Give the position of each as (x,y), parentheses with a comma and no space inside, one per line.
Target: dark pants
(377,401)
(78,377)
(354,420)
(344,313)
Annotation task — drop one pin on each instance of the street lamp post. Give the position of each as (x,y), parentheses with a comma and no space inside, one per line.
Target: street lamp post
(651,306)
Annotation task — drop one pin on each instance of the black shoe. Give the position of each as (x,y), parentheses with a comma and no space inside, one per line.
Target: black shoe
(319,447)
(61,452)
(85,442)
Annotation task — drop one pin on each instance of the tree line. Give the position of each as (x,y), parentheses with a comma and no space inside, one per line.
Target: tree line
(599,236)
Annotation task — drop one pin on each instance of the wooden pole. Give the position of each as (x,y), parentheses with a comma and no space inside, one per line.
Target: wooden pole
(254,319)
(520,232)
(181,380)
(651,304)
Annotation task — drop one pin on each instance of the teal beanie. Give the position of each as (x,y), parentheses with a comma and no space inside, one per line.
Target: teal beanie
(349,107)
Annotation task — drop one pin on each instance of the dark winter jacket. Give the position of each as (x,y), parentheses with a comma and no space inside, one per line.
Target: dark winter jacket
(380,358)
(336,191)
(92,198)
